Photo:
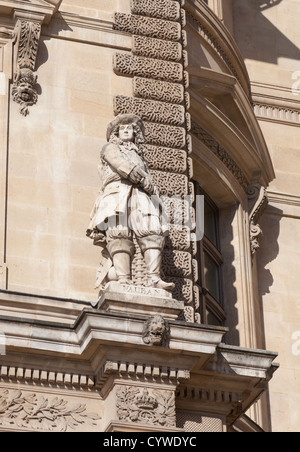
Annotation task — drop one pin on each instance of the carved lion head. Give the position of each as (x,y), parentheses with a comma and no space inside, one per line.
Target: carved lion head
(156,331)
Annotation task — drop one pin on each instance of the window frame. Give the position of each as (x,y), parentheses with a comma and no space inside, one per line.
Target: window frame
(208,303)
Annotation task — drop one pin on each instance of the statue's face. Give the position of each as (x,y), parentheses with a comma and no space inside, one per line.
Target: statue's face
(126,132)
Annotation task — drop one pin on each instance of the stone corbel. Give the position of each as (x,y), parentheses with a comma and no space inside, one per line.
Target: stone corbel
(28,19)
(258,200)
(26,38)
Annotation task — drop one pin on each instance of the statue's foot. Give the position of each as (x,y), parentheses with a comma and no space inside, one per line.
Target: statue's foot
(125,281)
(160,284)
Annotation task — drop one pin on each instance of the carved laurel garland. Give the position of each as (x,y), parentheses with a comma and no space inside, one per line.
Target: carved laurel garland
(146,406)
(34,412)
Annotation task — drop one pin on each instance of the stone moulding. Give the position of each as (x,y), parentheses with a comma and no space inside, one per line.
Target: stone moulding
(210,28)
(277,113)
(139,371)
(221,153)
(35,376)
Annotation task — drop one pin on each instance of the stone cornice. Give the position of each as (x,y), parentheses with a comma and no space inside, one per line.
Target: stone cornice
(45,8)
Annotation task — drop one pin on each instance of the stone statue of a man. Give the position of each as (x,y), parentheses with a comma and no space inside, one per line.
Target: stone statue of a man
(128,205)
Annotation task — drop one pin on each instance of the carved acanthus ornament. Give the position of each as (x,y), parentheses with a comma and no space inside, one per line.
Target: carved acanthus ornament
(27,36)
(258,200)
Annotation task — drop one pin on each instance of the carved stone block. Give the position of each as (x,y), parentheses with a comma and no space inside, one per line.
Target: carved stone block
(139,300)
(162,9)
(157,48)
(158,90)
(149,110)
(164,135)
(131,65)
(183,289)
(170,183)
(147,26)
(177,263)
(147,406)
(32,411)
(178,238)
(166,159)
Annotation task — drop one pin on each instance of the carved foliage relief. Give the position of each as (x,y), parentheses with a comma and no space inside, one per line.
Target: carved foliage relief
(34,412)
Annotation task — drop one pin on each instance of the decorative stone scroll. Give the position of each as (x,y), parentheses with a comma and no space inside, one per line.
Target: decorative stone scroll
(258,200)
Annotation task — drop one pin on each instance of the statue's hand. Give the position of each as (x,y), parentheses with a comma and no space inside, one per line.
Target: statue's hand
(147,185)
(136,175)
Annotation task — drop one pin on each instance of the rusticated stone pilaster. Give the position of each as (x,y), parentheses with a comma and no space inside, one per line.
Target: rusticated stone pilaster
(156,65)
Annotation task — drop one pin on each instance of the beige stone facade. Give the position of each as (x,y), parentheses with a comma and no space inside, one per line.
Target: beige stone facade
(217,86)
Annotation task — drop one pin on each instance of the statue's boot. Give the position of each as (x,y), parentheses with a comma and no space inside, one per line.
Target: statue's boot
(152,247)
(121,252)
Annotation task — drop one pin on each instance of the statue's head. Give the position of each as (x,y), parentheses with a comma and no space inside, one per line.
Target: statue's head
(126,127)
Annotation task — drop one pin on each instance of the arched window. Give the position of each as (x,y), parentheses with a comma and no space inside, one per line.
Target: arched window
(210,265)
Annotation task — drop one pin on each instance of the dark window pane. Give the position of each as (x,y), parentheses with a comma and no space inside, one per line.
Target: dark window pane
(211,274)
(212,319)
(210,226)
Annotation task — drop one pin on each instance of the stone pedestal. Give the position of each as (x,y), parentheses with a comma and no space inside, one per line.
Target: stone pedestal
(139,300)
